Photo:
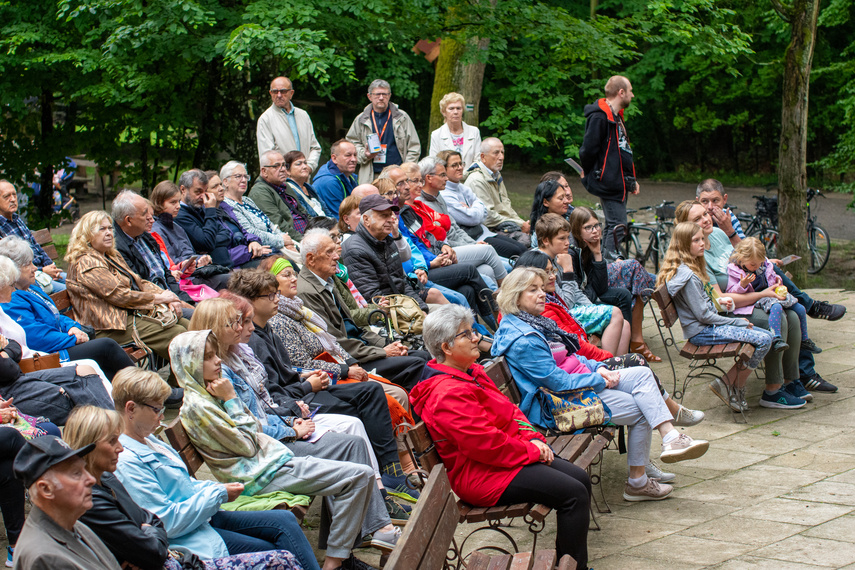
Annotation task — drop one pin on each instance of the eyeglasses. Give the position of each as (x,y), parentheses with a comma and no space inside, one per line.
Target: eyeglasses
(277,166)
(239,176)
(468,333)
(402,183)
(157,411)
(336,238)
(381,94)
(235,325)
(288,274)
(270,296)
(280,91)
(443,175)
(593,228)
(390,194)
(414,180)
(551,273)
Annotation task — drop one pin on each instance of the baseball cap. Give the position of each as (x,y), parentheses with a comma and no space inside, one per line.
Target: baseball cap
(376,202)
(40,454)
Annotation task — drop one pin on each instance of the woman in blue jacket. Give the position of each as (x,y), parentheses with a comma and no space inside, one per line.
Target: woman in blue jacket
(47,330)
(540,354)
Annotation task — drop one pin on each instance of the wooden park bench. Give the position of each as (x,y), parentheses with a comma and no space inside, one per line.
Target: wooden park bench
(44,239)
(584,450)
(428,540)
(703,360)
(180,442)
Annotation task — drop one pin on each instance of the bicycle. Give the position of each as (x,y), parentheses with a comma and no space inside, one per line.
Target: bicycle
(658,239)
(764,225)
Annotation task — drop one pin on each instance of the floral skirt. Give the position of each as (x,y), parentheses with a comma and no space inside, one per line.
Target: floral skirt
(270,560)
(593,318)
(629,274)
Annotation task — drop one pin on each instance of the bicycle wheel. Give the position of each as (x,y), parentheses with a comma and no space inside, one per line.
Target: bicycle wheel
(819,248)
(664,237)
(769,239)
(631,245)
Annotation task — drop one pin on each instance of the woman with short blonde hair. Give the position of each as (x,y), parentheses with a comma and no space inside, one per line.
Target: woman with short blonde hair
(454,134)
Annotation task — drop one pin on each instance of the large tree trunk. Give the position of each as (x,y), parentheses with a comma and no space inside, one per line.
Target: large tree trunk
(792,164)
(450,51)
(470,79)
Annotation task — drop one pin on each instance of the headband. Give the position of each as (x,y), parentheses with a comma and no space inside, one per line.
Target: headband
(279,265)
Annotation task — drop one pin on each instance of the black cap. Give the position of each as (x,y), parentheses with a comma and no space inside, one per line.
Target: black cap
(40,454)
(376,202)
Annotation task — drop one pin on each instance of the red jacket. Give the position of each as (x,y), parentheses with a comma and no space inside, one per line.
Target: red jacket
(567,323)
(483,439)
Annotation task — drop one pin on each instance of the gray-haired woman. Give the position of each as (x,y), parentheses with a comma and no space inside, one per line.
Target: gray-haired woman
(493,454)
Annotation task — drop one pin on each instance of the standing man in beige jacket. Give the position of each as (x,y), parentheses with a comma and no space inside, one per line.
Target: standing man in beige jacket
(283,127)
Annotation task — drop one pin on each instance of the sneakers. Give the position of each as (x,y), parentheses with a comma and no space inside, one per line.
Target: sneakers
(653,472)
(397,513)
(386,541)
(687,418)
(10,550)
(825,310)
(782,400)
(796,389)
(398,487)
(683,448)
(815,383)
(653,491)
(721,390)
(779,345)
(354,563)
(740,399)
(810,346)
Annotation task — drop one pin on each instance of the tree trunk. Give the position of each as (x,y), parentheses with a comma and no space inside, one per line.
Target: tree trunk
(453,75)
(450,51)
(470,79)
(792,168)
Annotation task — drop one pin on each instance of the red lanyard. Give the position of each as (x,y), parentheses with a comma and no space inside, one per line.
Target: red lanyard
(373,120)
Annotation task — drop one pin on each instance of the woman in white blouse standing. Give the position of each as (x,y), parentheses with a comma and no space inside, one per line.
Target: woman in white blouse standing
(454,134)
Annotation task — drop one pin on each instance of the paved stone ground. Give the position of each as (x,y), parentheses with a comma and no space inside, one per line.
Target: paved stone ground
(777,492)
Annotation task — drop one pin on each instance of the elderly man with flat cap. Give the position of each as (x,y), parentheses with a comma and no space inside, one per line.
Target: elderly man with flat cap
(61,492)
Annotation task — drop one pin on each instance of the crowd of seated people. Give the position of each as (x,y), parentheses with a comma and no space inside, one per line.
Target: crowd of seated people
(255,303)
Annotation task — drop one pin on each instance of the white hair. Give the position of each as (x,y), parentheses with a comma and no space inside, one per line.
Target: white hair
(9,272)
(124,204)
(265,157)
(441,326)
(489,144)
(16,249)
(229,168)
(379,83)
(312,241)
(428,165)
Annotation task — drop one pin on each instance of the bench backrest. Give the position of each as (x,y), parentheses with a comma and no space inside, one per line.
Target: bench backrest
(180,442)
(666,306)
(44,239)
(428,534)
(500,373)
(62,302)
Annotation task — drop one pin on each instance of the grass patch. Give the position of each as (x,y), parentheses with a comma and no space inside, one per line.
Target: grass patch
(839,272)
(60,241)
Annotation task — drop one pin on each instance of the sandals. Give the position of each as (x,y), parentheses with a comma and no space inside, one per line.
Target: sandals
(642,349)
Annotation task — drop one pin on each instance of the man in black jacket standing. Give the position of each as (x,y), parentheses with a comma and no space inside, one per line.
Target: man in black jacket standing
(132,221)
(606,156)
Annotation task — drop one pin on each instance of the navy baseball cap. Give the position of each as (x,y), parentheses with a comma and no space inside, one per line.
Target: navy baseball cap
(376,202)
(40,454)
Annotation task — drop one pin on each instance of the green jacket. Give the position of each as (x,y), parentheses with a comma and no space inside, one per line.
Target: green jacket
(268,201)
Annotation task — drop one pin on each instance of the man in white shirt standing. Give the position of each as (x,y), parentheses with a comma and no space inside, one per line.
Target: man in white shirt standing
(283,127)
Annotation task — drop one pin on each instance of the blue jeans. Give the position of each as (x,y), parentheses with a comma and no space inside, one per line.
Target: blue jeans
(451,295)
(761,339)
(806,359)
(258,531)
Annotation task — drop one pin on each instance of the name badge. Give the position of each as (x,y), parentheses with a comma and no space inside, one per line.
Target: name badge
(381,156)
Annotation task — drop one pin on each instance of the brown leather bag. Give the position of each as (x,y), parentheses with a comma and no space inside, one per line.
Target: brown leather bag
(39,362)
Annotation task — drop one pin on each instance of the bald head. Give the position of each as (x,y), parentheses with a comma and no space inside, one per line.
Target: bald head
(8,199)
(281,91)
(364,190)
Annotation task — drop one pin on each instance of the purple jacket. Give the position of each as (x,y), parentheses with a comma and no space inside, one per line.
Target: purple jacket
(735,273)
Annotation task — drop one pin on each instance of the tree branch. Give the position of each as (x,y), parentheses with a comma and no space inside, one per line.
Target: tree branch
(784,11)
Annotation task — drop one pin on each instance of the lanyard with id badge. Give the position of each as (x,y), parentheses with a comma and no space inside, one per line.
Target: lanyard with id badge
(374,145)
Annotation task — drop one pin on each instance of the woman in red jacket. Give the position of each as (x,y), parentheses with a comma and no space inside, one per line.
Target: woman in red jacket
(493,454)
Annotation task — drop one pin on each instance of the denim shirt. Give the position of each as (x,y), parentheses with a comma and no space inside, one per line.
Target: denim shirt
(271,424)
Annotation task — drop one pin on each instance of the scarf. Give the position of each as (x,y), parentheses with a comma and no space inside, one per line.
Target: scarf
(341,275)
(551,331)
(244,363)
(294,309)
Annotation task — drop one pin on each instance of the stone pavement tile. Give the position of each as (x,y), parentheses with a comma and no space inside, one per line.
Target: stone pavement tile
(733,529)
(749,562)
(847,477)
(841,443)
(819,551)
(793,511)
(672,511)
(802,427)
(619,533)
(772,476)
(622,562)
(842,528)
(727,459)
(688,471)
(688,550)
(841,413)
(760,440)
(715,491)
(831,463)
(826,492)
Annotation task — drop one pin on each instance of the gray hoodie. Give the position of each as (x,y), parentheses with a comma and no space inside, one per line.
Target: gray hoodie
(694,307)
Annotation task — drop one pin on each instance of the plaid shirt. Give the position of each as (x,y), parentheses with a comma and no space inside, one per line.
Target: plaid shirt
(17,227)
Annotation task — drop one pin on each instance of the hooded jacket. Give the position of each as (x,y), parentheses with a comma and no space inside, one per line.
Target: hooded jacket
(226,434)
(605,164)
(532,365)
(333,186)
(483,438)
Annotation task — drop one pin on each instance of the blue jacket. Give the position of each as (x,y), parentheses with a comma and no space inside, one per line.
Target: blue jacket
(46,329)
(530,359)
(274,425)
(159,482)
(332,186)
